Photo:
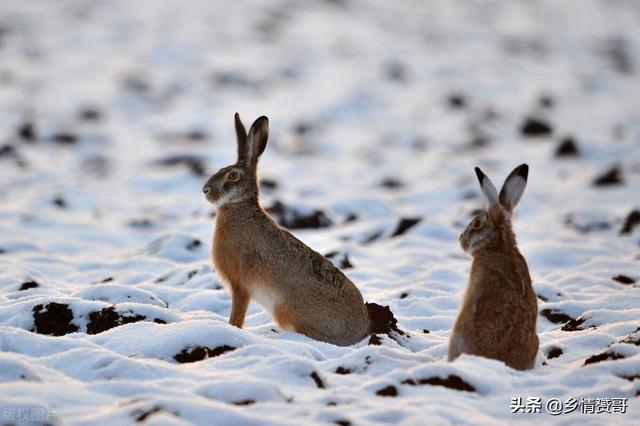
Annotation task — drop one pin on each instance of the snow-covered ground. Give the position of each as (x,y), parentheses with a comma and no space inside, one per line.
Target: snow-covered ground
(113,113)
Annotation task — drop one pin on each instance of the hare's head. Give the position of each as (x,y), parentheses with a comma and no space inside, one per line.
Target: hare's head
(239,182)
(492,227)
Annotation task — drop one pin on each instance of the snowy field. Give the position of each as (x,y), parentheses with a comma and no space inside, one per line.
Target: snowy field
(113,114)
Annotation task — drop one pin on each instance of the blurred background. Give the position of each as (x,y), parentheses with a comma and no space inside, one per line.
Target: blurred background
(120,110)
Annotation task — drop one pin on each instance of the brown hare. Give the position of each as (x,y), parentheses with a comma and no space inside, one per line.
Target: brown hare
(499,311)
(259,260)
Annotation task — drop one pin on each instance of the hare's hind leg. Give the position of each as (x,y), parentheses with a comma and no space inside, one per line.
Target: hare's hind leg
(284,317)
(240,299)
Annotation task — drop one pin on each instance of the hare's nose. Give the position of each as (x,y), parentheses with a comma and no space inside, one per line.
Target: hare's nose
(206,190)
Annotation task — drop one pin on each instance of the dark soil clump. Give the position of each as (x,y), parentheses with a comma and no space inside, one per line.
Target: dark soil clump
(54,319)
(611,177)
(198,353)
(631,222)
(451,382)
(109,318)
(535,127)
(290,218)
(405,224)
(602,357)
(318,381)
(194,163)
(29,284)
(623,279)
(554,352)
(574,325)
(567,148)
(381,320)
(555,316)
(388,391)
(341,260)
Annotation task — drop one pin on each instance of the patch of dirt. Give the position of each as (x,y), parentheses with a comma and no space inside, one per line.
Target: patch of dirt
(623,279)
(27,131)
(381,320)
(535,127)
(341,260)
(8,150)
(268,184)
(109,318)
(585,228)
(198,353)
(546,101)
(245,402)
(456,101)
(291,218)
(193,244)
(388,391)
(141,415)
(195,164)
(59,202)
(616,51)
(89,113)
(396,71)
(451,381)
(143,223)
(567,148)
(632,220)
(554,352)
(555,316)
(372,237)
(302,128)
(574,325)
(318,381)
(603,357)
(611,177)
(374,340)
(64,138)
(391,183)
(342,370)
(405,224)
(631,339)
(630,378)
(29,284)
(54,319)
(351,217)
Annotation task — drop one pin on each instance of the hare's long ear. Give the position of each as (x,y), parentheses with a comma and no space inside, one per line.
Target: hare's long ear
(241,134)
(513,187)
(257,140)
(489,191)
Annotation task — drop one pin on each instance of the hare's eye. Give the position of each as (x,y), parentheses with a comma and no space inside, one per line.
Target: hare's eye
(476,224)
(233,176)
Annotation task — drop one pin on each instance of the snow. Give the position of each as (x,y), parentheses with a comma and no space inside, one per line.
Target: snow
(131,106)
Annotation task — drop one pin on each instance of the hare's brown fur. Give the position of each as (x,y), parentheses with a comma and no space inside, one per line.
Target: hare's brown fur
(300,288)
(499,311)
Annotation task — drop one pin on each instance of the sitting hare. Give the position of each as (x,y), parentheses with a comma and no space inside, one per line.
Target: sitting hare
(257,259)
(499,310)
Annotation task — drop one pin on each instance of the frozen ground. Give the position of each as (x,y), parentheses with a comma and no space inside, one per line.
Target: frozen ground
(113,113)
